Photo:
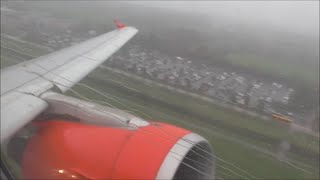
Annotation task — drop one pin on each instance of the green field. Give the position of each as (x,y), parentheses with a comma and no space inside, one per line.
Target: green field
(250,145)
(10,48)
(294,70)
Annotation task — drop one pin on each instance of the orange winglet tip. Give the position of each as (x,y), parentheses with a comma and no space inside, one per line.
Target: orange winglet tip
(119,24)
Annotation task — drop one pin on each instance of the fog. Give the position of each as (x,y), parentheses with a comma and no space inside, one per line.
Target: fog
(211,32)
(294,16)
(278,41)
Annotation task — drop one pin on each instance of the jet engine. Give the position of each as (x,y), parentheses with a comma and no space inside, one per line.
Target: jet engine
(78,139)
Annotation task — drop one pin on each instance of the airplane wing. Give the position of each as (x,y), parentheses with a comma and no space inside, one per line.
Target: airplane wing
(22,84)
(32,88)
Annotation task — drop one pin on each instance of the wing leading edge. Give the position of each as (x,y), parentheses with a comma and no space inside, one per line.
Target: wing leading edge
(22,84)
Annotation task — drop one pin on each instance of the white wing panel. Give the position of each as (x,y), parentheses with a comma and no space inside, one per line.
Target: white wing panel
(17,110)
(72,63)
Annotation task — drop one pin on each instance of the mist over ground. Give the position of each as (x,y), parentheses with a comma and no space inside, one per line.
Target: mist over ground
(274,41)
(279,38)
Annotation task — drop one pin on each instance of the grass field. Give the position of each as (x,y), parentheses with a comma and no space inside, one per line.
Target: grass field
(294,70)
(250,144)
(10,46)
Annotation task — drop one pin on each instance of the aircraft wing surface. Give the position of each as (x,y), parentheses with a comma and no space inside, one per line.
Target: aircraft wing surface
(23,84)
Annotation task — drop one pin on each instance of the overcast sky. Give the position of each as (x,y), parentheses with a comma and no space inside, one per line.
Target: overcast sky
(296,16)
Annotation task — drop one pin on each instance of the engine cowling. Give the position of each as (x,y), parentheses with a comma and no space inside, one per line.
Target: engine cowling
(64,149)
(79,139)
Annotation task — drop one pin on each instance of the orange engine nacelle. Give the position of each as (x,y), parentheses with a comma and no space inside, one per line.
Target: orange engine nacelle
(63,150)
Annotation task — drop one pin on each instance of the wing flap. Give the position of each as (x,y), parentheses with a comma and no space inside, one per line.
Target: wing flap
(17,109)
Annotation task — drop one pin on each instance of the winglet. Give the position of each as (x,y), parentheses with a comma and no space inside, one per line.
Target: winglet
(119,24)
